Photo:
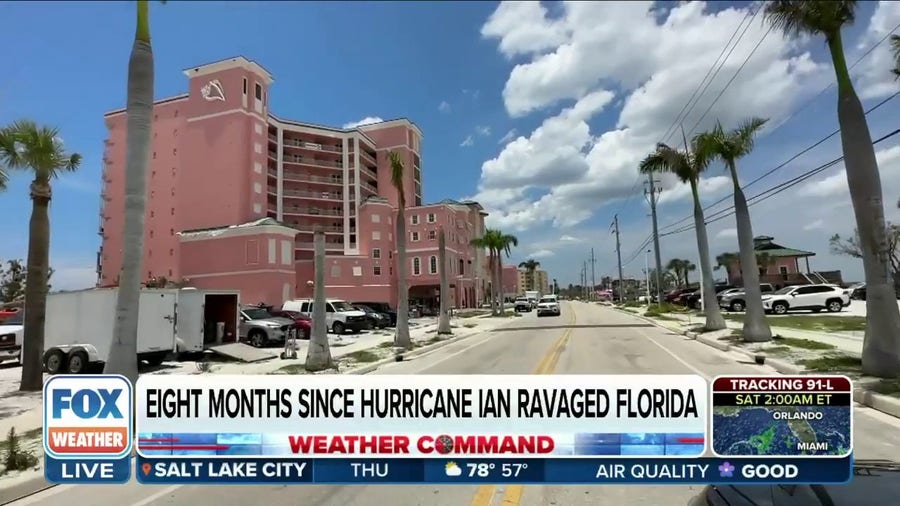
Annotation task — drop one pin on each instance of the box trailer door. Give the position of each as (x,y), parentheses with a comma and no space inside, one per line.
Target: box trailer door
(156,321)
(189,326)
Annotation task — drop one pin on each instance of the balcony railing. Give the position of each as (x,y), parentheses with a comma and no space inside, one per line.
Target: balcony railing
(289,175)
(327,230)
(369,172)
(365,155)
(313,195)
(368,187)
(312,245)
(312,161)
(297,143)
(311,211)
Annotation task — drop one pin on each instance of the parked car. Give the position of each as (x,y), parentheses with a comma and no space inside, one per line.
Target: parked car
(6,314)
(340,315)
(736,299)
(302,322)
(259,327)
(12,333)
(692,299)
(377,320)
(812,297)
(858,292)
(673,296)
(384,308)
(548,306)
(523,305)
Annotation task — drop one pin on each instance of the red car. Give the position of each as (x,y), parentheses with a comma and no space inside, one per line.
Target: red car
(302,322)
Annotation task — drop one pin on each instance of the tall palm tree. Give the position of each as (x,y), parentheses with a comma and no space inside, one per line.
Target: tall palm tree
(505,243)
(689,267)
(687,165)
(444,317)
(895,47)
(139,110)
(401,333)
(726,261)
(731,146)
(26,146)
(497,243)
(881,345)
(676,265)
(530,267)
(485,242)
(318,354)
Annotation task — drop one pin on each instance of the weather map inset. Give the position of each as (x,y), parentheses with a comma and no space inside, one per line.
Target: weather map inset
(786,424)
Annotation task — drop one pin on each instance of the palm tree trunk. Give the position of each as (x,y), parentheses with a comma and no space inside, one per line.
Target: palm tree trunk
(495,302)
(756,328)
(714,319)
(881,344)
(318,354)
(36,288)
(444,318)
(139,108)
(401,334)
(501,304)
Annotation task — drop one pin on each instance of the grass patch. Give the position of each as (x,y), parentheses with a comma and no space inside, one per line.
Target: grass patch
(666,318)
(811,322)
(470,325)
(473,314)
(362,356)
(806,344)
(834,363)
(386,345)
(778,351)
(889,387)
(655,310)
(15,458)
(292,369)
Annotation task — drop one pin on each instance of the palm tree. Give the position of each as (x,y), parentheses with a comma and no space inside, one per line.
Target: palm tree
(444,318)
(497,243)
(895,46)
(687,166)
(26,146)
(318,354)
(726,261)
(688,268)
(401,334)
(505,243)
(530,267)
(485,242)
(676,265)
(139,110)
(730,147)
(555,287)
(881,345)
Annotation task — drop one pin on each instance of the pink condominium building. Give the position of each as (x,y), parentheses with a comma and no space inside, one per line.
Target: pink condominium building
(235,192)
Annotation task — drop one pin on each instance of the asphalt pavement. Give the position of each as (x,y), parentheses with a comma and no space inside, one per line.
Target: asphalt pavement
(585,339)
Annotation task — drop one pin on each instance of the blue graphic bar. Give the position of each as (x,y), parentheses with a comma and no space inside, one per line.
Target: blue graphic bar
(637,471)
(87,471)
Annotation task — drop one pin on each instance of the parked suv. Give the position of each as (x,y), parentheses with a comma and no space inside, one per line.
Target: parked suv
(381,307)
(814,297)
(340,315)
(692,299)
(736,300)
(260,327)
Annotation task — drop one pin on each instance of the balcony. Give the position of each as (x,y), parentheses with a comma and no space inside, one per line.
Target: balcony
(314,146)
(367,157)
(368,172)
(290,175)
(327,230)
(369,187)
(313,195)
(328,245)
(329,164)
(310,211)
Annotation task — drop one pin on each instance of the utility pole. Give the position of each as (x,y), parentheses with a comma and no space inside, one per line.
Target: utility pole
(653,197)
(593,280)
(585,277)
(615,226)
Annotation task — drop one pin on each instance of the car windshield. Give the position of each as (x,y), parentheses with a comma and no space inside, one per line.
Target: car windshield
(342,306)
(548,299)
(257,313)
(365,309)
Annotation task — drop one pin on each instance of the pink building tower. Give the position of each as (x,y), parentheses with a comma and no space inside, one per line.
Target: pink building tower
(235,194)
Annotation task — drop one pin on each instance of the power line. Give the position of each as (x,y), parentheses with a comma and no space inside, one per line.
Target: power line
(775,190)
(782,165)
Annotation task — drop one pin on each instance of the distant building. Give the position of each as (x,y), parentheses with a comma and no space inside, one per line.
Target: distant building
(778,265)
(541,281)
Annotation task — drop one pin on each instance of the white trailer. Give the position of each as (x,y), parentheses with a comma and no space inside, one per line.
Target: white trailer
(78,329)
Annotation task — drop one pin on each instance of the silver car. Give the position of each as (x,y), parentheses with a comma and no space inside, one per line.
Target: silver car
(259,327)
(735,299)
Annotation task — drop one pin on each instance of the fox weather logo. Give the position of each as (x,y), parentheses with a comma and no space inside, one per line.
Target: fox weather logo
(87,417)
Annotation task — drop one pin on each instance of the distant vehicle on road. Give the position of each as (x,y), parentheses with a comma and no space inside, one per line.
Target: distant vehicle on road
(811,297)
(523,305)
(548,306)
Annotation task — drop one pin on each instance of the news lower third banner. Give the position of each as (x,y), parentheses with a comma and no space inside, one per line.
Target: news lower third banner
(490,416)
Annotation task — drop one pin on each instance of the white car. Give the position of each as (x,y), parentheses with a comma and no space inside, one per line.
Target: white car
(812,297)
(12,332)
(548,306)
(340,315)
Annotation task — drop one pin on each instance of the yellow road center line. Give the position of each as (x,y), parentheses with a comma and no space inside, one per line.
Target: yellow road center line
(512,495)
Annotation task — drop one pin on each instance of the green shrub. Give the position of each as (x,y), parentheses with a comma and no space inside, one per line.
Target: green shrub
(15,458)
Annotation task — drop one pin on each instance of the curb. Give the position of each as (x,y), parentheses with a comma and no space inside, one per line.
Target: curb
(869,398)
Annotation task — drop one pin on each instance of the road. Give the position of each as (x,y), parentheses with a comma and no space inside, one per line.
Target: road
(586,339)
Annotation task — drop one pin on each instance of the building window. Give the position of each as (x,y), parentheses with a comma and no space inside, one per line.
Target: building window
(462,267)
(245,86)
(431,218)
(357,270)
(151,234)
(376,218)
(376,235)
(432,265)
(258,92)
(432,235)
(414,236)
(335,271)
(376,252)
(376,270)
(414,219)
(416,266)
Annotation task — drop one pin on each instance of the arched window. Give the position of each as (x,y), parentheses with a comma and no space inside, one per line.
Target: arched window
(432,265)
(417,266)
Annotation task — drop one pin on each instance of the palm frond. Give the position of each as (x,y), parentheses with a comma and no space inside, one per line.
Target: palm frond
(27,145)
(895,47)
(397,170)
(746,132)
(812,17)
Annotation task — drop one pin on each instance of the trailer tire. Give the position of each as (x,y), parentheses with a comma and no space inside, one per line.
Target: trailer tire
(55,361)
(77,362)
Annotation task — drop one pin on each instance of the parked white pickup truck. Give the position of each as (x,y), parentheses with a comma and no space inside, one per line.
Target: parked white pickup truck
(12,332)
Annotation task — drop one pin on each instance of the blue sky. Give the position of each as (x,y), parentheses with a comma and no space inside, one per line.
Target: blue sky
(336,63)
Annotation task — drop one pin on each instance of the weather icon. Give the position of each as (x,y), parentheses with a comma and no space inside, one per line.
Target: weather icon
(726,470)
(451,469)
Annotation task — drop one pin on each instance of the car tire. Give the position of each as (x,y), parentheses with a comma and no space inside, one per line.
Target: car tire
(337,328)
(737,306)
(257,338)
(834,305)
(779,308)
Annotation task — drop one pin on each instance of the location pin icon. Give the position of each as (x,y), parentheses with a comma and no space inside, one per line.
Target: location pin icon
(145,467)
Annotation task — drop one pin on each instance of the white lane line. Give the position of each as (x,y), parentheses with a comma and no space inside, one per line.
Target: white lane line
(40,496)
(159,495)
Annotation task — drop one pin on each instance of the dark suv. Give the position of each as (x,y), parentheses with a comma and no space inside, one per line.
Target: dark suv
(381,307)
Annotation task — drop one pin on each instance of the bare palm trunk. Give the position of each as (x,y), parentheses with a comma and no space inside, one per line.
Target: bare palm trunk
(756,328)
(401,334)
(501,304)
(495,297)
(36,288)
(123,351)
(318,354)
(881,345)
(444,318)
(714,319)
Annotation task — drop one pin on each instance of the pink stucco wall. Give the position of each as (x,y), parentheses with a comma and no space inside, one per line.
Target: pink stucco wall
(510,279)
